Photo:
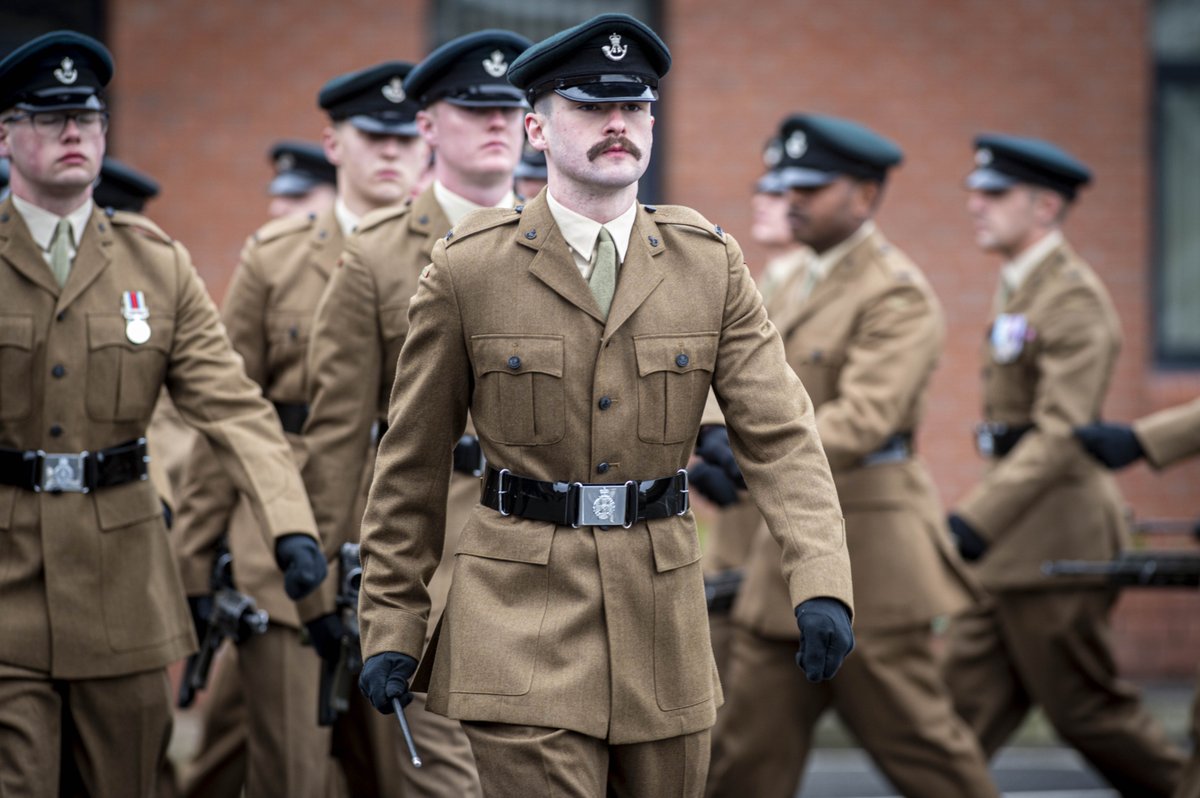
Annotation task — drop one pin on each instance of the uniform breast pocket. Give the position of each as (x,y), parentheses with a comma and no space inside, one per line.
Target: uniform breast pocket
(16,366)
(287,336)
(519,394)
(819,370)
(674,374)
(124,378)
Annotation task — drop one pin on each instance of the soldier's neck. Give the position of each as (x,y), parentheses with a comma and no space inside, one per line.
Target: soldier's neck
(601,205)
(484,190)
(57,204)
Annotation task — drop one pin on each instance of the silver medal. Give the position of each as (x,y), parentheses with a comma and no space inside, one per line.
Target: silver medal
(137,331)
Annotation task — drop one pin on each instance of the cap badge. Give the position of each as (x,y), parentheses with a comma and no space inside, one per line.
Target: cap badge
(495,64)
(796,145)
(393,92)
(66,72)
(615,51)
(773,154)
(983,157)
(285,162)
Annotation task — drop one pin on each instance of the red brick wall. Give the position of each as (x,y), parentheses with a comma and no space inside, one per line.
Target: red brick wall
(212,84)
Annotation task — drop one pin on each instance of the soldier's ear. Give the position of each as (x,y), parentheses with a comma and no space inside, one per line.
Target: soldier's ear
(331,143)
(535,130)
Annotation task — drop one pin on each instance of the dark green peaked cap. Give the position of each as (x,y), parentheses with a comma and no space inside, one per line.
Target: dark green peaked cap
(61,70)
(1003,161)
(815,149)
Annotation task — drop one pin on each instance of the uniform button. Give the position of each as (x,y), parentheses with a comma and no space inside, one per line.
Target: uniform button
(55,431)
(681,360)
(58,370)
(62,314)
(605,403)
(514,362)
(602,468)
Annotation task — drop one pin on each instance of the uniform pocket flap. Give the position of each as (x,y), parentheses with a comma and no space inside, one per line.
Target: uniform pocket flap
(516,354)
(107,329)
(674,542)
(511,539)
(678,353)
(16,331)
(288,328)
(122,505)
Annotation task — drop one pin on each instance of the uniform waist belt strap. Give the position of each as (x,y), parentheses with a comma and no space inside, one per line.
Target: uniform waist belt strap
(73,472)
(579,504)
(895,449)
(292,416)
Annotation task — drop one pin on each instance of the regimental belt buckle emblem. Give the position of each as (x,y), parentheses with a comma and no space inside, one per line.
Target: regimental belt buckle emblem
(614,50)
(133,308)
(393,92)
(495,65)
(66,72)
(603,505)
(62,473)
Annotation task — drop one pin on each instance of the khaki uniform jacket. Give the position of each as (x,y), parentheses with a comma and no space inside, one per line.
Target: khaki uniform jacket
(88,583)
(360,327)
(1048,499)
(865,344)
(268,312)
(601,631)
(1170,435)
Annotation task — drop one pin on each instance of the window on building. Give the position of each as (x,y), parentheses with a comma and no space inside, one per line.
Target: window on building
(1177,217)
(538,19)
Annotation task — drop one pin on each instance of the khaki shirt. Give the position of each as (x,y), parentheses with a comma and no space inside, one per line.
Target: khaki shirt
(602,631)
(88,583)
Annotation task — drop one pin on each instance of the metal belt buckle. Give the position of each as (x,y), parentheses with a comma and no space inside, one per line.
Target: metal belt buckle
(501,492)
(62,473)
(602,505)
(985,439)
(687,497)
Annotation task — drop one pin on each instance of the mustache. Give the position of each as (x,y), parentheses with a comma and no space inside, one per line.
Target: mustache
(614,141)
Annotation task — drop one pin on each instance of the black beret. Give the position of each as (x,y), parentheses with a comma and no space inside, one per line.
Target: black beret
(816,149)
(609,58)
(470,71)
(1003,161)
(373,99)
(58,71)
(299,167)
(122,187)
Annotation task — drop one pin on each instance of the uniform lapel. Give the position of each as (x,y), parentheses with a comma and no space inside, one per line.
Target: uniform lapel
(18,248)
(325,244)
(640,274)
(93,257)
(427,219)
(1022,298)
(553,264)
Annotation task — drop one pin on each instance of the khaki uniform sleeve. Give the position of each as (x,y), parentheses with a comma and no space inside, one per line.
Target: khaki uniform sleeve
(774,436)
(1073,365)
(213,394)
(404,529)
(1170,435)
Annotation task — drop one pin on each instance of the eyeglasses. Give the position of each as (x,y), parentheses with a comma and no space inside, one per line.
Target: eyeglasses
(51,124)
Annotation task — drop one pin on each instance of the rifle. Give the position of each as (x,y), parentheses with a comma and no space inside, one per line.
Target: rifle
(1135,569)
(721,588)
(337,678)
(234,615)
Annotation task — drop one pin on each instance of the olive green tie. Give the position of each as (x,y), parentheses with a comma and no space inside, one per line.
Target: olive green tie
(603,281)
(60,252)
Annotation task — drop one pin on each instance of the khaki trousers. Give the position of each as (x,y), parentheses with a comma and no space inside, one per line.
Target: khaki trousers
(109,734)
(1052,649)
(219,768)
(531,761)
(888,692)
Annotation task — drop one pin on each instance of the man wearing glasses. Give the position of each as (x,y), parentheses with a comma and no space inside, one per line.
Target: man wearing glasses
(101,310)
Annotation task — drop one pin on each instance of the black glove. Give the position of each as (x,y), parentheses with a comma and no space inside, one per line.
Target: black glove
(325,634)
(1115,445)
(386,676)
(201,607)
(713,484)
(971,546)
(302,563)
(825,637)
(713,447)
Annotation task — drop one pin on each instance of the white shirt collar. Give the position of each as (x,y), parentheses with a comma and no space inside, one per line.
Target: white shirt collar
(582,233)
(41,222)
(457,206)
(347,219)
(823,264)
(1017,270)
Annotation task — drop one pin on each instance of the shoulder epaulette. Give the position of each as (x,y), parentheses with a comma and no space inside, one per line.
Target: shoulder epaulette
(683,216)
(285,225)
(140,224)
(482,220)
(382,215)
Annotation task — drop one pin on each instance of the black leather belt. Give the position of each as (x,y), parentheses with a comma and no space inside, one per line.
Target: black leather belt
(292,416)
(996,439)
(579,504)
(468,456)
(895,449)
(74,472)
